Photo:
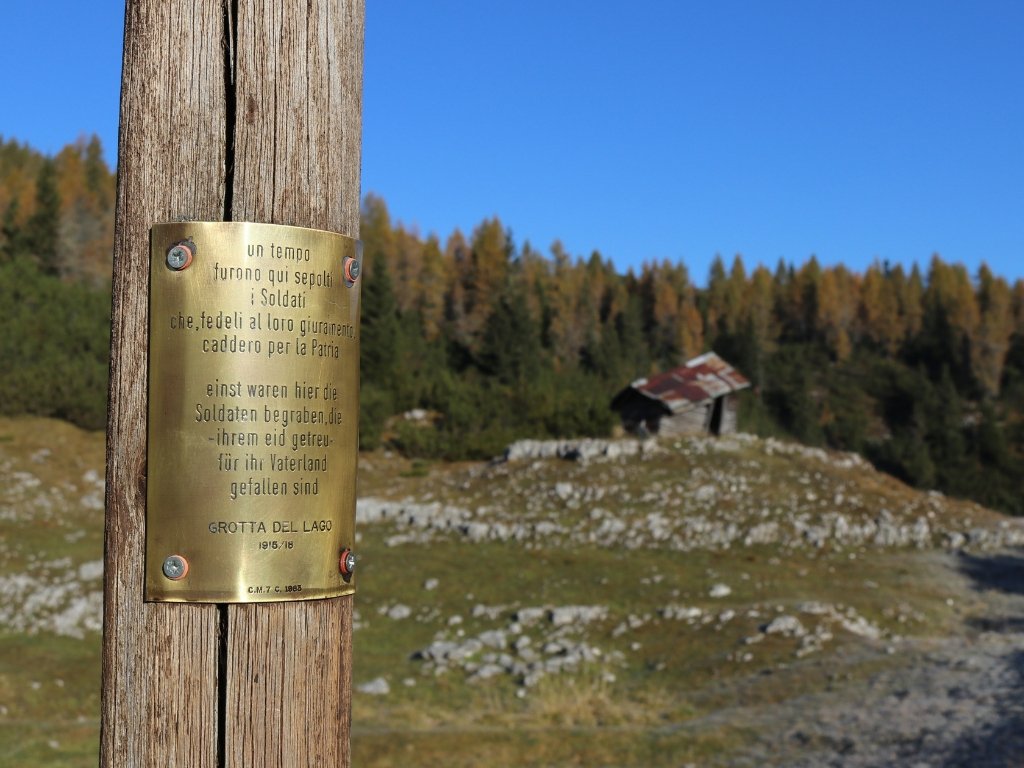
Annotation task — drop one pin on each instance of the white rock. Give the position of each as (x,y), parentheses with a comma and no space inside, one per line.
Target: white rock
(91,570)
(564,491)
(705,493)
(787,626)
(494,638)
(376,687)
(399,612)
(577,614)
(680,612)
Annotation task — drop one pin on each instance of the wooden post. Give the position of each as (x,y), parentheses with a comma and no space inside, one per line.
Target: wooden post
(235,110)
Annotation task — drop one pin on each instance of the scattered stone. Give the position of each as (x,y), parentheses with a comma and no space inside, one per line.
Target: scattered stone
(705,493)
(577,614)
(787,626)
(488,611)
(487,671)
(690,613)
(399,612)
(564,491)
(529,616)
(575,450)
(376,687)
(90,570)
(494,638)
(829,510)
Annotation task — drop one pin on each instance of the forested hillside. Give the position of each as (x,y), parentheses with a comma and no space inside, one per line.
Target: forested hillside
(58,209)
(488,340)
(56,235)
(922,373)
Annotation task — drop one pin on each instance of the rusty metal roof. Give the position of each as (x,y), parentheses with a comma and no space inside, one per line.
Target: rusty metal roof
(693,383)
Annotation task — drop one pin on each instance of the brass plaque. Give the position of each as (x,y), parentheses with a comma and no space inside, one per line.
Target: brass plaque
(253,405)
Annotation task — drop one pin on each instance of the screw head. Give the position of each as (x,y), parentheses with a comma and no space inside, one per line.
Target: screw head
(352,269)
(347,563)
(175,567)
(179,255)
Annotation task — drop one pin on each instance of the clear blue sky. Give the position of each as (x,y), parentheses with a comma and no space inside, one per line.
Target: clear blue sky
(647,130)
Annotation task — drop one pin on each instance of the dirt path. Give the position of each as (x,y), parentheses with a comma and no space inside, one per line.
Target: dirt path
(954,702)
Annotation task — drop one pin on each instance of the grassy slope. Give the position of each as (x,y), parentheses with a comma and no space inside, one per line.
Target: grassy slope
(640,540)
(632,705)
(51,545)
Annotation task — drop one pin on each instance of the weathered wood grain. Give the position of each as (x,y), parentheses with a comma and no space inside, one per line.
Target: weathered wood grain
(245,111)
(297,160)
(299,102)
(159,662)
(289,684)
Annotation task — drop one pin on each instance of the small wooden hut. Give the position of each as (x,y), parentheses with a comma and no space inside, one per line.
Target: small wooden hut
(699,396)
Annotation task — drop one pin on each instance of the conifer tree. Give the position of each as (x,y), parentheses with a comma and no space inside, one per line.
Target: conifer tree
(911,296)
(566,333)
(950,322)
(380,331)
(433,280)
(673,324)
(457,257)
(836,311)
(760,325)
(43,228)
(995,327)
(97,175)
(510,347)
(1018,307)
(805,293)
(12,239)
(716,300)
(380,353)
(880,321)
(483,277)
(945,435)
(735,292)
(629,326)
(377,235)
(535,276)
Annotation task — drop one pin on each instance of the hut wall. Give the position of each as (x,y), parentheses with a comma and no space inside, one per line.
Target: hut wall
(693,421)
(730,411)
(637,411)
(700,420)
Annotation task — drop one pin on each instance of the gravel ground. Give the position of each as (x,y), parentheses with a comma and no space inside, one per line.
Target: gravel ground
(954,702)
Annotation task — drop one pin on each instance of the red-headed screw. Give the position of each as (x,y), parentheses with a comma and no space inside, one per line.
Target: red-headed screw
(347,563)
(352,270)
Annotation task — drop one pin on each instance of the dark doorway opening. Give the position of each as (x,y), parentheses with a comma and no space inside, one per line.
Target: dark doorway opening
(715,427)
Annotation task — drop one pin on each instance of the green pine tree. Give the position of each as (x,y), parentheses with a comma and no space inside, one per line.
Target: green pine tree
(12,238)
(43,228)
(379,349)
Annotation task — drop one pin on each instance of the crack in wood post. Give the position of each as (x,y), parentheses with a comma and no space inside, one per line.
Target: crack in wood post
(230,105)
(222,684)
(230,64)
